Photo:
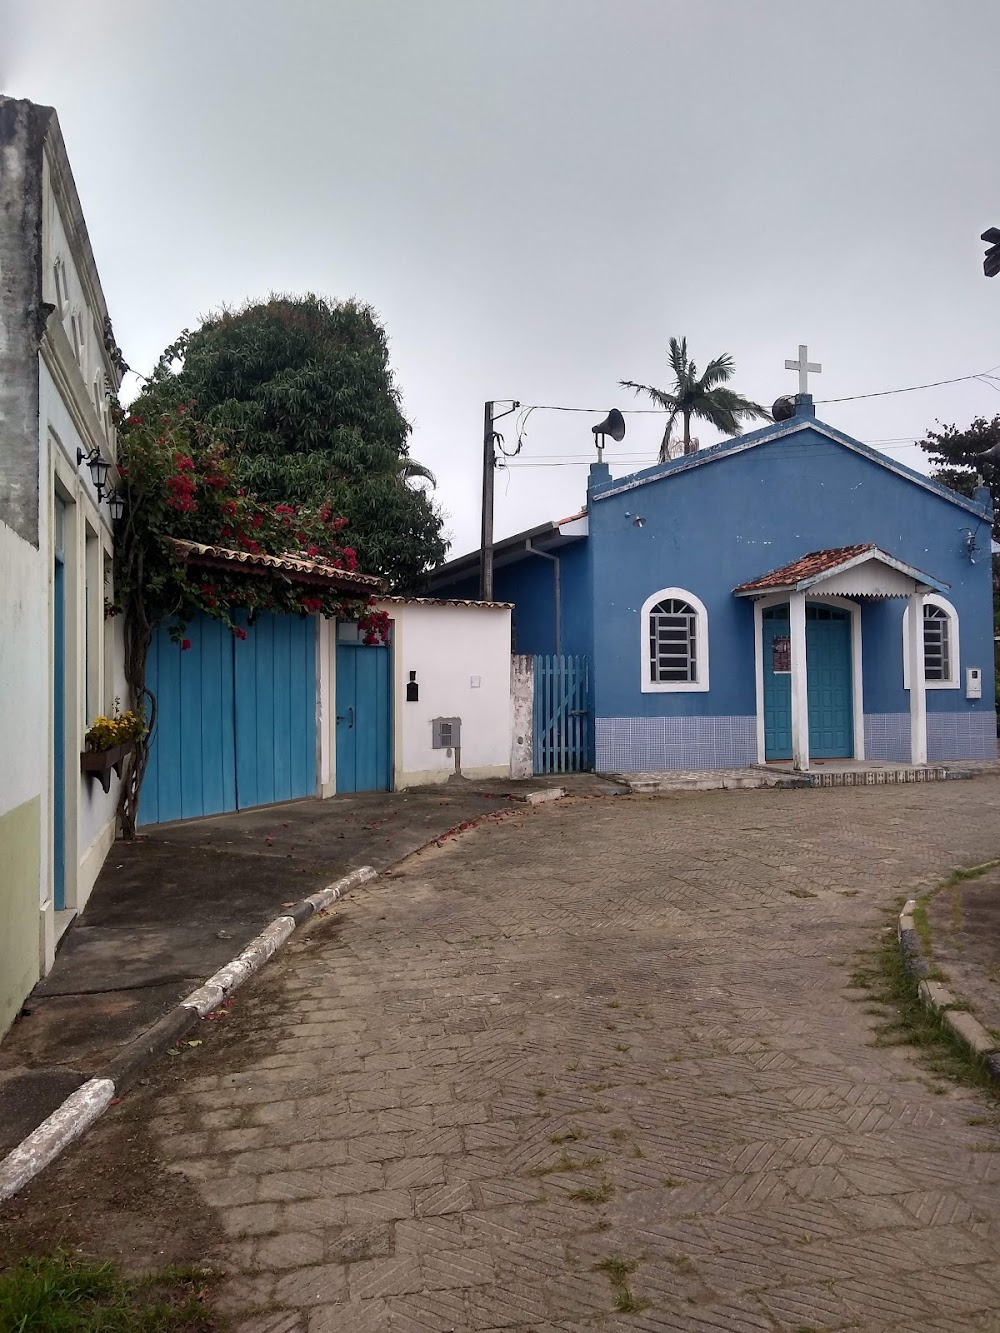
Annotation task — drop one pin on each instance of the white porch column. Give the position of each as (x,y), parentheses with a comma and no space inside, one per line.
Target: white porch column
(918,693)
(800,684)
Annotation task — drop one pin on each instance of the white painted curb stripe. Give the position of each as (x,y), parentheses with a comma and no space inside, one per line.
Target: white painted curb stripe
(67,1122)
(81,1108)
(244,965)
(324,897)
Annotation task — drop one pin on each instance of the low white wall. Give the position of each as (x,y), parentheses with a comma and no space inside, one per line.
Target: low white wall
(461,656)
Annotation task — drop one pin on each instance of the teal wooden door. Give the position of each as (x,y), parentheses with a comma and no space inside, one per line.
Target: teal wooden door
(777,684)
(235,719)
(275,710)
(364,718)
(59,711)
(829,673)
(828,663)
(192,754)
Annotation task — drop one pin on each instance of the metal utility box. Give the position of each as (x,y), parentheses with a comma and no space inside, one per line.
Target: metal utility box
(973,683)
(446,733)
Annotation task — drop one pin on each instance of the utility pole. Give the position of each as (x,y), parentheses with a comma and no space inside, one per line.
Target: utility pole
(486,549)
(490,438)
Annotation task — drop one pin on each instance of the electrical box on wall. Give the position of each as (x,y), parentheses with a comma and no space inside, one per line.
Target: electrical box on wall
(973,683)
(446,733)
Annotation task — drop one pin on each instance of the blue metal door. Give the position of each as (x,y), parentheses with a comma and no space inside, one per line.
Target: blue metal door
(560,731)
(235,719)
(275,710)
(59,713)
(777,684)
(828,659)
(828,669)
(364,718)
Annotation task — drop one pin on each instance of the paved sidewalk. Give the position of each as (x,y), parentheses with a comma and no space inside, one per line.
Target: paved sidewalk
(606,1057)
(184,899)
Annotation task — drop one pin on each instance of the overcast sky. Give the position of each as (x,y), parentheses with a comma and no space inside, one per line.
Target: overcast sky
(535,194)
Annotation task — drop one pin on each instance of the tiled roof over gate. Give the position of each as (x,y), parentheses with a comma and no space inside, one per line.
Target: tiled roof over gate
(298,569)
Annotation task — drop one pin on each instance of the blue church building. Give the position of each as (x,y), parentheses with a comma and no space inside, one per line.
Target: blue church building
(764,600)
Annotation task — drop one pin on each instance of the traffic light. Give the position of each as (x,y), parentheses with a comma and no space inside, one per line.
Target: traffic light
(991,262)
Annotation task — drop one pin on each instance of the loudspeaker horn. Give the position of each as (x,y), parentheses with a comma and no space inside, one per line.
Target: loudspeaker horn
(613,425)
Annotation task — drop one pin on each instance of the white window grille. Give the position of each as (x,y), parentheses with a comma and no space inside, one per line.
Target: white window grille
(941,644)
(673,642)
(937,643)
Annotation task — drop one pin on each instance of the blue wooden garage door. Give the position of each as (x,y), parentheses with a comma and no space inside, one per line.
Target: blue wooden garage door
(236,719)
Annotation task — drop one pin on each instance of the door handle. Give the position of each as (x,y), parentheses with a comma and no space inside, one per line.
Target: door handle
(351,716)
(347,717)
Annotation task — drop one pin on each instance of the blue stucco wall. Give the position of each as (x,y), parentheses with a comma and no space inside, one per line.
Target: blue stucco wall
(529,584)
(712,527)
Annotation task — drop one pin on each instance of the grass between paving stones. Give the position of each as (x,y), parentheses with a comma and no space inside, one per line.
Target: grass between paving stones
(58,1294)
(618,1270)
(891,993)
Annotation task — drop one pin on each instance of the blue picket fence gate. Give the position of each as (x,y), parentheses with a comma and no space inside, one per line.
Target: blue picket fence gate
(560,731)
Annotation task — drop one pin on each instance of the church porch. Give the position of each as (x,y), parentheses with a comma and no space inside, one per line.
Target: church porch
(810,676)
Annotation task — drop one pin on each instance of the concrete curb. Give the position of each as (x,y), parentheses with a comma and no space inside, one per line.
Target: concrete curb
(79,1111)
(935,995)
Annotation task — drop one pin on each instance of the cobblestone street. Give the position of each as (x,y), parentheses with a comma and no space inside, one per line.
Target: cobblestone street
(600,1066)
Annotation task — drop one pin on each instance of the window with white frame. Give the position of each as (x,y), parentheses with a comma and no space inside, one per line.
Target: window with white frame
(675,642)
(940,640)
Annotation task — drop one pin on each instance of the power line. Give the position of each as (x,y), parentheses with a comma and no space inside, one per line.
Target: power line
(527,408)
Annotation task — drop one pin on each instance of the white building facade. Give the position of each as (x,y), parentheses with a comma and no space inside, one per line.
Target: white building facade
(60,656)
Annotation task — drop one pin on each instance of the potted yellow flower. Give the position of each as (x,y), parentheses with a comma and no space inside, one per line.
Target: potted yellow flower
(109,741)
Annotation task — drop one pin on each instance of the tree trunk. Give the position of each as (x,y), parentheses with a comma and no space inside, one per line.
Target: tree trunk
(687,434)
(138,636)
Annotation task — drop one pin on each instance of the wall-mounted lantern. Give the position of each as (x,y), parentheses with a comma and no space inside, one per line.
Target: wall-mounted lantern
(99,468)
(116,504)
(412,689)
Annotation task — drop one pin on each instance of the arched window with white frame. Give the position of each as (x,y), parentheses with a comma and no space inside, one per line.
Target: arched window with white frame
(674,636)
(941,647)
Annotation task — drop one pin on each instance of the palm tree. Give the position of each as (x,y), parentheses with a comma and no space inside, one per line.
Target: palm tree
(693,396)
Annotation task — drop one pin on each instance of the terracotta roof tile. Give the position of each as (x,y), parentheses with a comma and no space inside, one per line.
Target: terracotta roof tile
(298,568)
(806,567)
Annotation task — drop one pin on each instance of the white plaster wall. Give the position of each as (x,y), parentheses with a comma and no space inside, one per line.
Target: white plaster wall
(448,646)
(326,659)
(23,672)
(90,812)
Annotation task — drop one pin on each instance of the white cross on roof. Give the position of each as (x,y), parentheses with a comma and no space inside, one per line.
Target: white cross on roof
(805,367)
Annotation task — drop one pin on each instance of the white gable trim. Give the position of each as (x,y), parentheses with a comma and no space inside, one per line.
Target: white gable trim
(911,575)
(719,452)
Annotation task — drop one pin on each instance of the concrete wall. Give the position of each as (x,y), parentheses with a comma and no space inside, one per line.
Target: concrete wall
(522,687)
(461,655)
(22,132)
(24,790)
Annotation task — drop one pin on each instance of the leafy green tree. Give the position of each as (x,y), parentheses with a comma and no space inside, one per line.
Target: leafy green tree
(704,396)
(959,458)
(302,389)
